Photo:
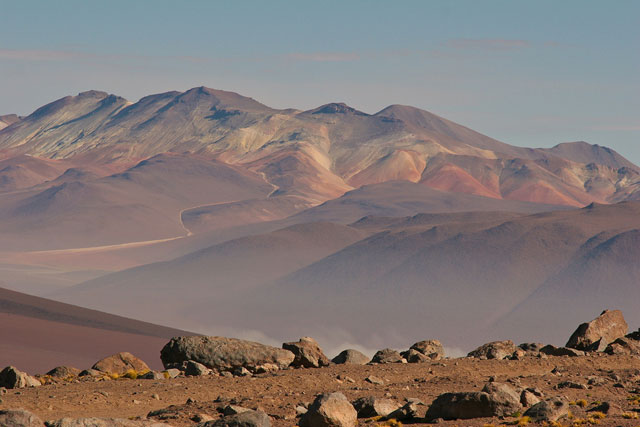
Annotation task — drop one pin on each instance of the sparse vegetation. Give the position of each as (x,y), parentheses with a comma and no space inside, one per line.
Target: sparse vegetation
(391,423)
(521,421)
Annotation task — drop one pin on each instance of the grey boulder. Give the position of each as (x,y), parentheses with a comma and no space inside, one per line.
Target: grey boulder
(372,406)
(495,400)
(223,354)
(249,418)
(548,410)
(330,410)
(387,355)
(351,357)
(494,350)
(19,418)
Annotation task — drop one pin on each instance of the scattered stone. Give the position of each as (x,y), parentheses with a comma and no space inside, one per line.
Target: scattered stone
(19,418)
(223,354)
(598,333)
(561,351)
(153,375)
(307,352)
(234,410)
(330,409)
(374,380)
(173,372)
(624,346)
(155,396)
(195,369)
(120,363)
(248,418)
(433,349)
(528,398)
(595,381)
(606,408)
(414,356)
(12,377)
(352,357)
(104,422)
(63,372)
(387,355)
(202,418)
(531,347)
(408,411)
(495,400)
(494,350)
(548,410)
(301,410)
(91,373)
(241,372)
(571,384)
(371,406)
(518,354)
(267,368)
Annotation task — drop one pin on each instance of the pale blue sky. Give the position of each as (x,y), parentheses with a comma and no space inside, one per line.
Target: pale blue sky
(530,73)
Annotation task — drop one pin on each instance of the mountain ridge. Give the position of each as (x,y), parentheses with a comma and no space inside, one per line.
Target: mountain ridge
(330,149)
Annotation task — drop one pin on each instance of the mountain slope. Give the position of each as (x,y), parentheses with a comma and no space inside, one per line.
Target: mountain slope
(140,204)
(39,334)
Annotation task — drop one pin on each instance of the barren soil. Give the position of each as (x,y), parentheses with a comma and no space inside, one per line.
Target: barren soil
(279,394)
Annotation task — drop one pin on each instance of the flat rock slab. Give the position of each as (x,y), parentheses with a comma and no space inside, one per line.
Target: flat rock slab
(223,354)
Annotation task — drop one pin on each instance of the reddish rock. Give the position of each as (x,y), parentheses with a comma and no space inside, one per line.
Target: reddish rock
(595,335)
(120,363)
(307,352)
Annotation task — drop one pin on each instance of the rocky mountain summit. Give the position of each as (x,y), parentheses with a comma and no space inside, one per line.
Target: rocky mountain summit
(260,385)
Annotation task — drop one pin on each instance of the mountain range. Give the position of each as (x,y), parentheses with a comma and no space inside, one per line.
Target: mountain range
(209,211)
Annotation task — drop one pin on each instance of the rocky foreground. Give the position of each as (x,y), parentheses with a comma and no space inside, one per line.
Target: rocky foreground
(215,381)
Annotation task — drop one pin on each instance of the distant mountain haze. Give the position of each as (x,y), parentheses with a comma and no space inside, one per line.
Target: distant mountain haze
(211,212)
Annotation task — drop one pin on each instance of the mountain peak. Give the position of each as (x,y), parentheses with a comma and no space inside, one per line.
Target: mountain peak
(222,98)
(93,94)
(336,108)
(583,152)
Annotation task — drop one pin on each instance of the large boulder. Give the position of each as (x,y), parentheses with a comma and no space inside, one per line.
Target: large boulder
(307,352)
(387,355)
(248,418)
(223,354)
(410,411)
(64,372)
(602,330)
(552,350)
(351,357)
(433,349)
(495,400)
(414,356)
(19,418)
(104,422)
(330,410)
(372,406)
(120,363)
(12,377)
(548,410)
(494,350)
(624,345)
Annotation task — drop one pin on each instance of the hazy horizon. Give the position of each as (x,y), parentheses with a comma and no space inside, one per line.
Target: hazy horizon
(555,77)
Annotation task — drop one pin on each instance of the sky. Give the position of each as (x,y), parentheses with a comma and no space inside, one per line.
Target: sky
(529,73)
